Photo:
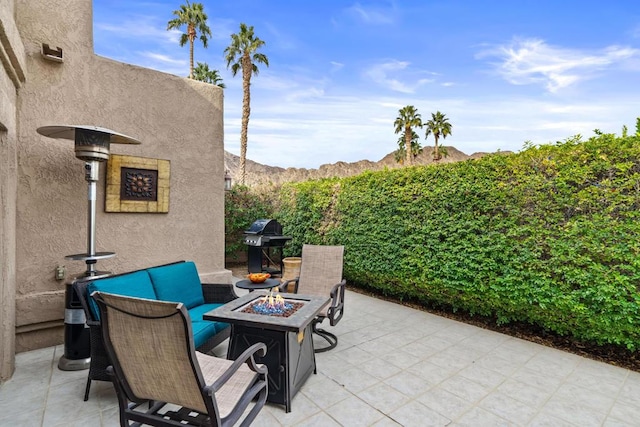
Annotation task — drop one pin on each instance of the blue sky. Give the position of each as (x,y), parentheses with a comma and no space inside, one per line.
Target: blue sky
(503,71)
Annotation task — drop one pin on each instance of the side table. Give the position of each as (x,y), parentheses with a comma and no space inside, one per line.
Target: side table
(267,284)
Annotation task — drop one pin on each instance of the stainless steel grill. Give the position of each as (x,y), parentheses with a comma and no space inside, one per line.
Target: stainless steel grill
(265,242)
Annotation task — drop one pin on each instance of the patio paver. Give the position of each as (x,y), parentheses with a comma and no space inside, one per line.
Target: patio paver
(393,366)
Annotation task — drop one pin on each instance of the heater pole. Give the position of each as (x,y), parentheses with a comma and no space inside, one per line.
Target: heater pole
(92,169)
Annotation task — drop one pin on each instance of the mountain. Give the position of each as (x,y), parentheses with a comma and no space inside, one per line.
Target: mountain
(259,174)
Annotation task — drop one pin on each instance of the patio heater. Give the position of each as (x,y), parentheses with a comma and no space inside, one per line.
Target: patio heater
(91,146)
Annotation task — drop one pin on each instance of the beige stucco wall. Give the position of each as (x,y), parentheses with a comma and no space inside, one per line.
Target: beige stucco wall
(12,66)
(176,119)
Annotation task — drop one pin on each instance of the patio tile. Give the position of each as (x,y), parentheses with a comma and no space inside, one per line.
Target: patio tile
(516,350)
(574,412)
(353,412)
(66,399)
(525,393)
(302,408)
(537,379)
(433,374)
(402,359)
(546,420)
(393,366)
(416,414)
(384,345)
(555,362)
(419,350)
(508,408)
(612,422)
(380,368)
(450,358)
(480,417)
(409,384)
(482,376)
(355,355)
(465,388)
(598,377)
(496,363)
(630,392)
(320,419)
(592,399)
(444,402)
(323,391)
(623,411)
(383,397)
(355,379)
(385,422)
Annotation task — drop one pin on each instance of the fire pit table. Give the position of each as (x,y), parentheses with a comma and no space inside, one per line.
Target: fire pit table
(290,357)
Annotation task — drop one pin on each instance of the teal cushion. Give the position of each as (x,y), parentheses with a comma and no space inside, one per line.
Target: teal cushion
(136,284)
(178,282)
(196,312)
(202,331)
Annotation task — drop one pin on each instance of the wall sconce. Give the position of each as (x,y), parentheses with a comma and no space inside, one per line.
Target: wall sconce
(227,181)
(51,54)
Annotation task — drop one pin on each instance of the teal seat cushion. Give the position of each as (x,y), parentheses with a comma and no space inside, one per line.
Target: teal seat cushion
(196,313)
(202,331)
(178,282)
(136,284)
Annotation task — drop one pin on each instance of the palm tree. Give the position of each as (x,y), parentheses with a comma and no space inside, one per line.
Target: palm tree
(400,154)
(242,54)
(407,119)
(439,126)
(193,16)
(204,74)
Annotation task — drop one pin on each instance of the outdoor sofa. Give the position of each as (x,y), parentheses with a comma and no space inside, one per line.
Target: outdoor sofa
(175,282)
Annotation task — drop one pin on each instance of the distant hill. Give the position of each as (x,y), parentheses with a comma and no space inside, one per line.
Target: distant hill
(259,174)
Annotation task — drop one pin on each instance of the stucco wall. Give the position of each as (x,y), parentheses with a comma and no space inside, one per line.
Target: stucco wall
(12,61)
(176,119)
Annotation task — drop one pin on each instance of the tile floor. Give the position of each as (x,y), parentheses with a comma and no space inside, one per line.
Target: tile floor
(393,366)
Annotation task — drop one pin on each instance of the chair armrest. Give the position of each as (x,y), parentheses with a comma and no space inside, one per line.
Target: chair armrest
(218,292)
(80,288)
(247,356)
(283,287)
(336,310)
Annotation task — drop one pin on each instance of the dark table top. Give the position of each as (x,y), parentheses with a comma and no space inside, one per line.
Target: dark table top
(267,284)
(231,312)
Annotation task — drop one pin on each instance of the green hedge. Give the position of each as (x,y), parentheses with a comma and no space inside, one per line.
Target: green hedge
(548,236)
(241,208)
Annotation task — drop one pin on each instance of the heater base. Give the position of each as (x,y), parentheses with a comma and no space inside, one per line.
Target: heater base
(65,364)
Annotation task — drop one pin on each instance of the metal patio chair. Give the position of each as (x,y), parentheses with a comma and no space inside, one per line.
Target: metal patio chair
(321,274)
(154,361)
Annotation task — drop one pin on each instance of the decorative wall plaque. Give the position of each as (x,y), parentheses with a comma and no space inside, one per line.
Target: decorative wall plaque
(137,184)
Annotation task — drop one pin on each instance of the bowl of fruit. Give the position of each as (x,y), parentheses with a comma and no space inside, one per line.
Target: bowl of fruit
(258,277)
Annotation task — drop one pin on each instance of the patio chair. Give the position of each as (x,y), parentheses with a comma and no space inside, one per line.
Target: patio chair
(321,274)
(154,361)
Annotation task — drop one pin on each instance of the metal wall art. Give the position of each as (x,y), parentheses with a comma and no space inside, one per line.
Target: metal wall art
(137,184)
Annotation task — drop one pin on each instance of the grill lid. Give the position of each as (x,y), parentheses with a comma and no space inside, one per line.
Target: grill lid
(267,227)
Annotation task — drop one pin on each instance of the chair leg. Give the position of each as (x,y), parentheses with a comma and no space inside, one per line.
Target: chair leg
(328,336)
(86,391)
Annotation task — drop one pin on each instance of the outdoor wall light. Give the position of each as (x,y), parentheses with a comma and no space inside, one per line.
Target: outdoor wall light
(51,54)
(227,180)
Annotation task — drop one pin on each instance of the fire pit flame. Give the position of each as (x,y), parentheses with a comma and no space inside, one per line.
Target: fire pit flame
(274,306)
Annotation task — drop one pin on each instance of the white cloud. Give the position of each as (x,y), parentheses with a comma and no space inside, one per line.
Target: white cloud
(336,66)
(397,76)
(139,28)
(372,15)
(532,61)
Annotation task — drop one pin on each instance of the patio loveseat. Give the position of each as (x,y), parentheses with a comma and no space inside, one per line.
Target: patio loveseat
(176,282)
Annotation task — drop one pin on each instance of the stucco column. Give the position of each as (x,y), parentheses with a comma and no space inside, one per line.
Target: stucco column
(12,76)
(7,255)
